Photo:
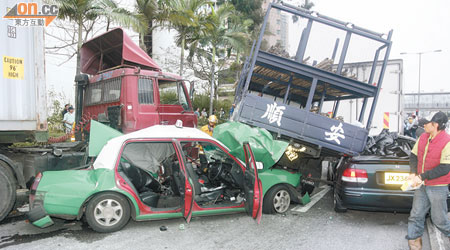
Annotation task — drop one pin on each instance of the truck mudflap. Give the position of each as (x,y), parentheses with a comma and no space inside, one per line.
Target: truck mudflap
(39,217)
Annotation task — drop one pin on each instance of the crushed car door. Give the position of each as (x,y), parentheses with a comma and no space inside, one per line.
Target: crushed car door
(188,193)
(252,185)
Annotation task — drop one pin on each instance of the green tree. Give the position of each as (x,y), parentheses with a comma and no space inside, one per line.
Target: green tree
(248,9)
(184,16)
(151,14)
(219,36)
(83,12)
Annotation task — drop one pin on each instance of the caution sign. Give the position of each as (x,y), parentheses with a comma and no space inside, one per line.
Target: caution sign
(13,67)
(386,120)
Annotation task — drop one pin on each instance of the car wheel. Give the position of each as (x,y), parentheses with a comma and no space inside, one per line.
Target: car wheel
(7,190)
(338,207)
(107,212)
(277,200)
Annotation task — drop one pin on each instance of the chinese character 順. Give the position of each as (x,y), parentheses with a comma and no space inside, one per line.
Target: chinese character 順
(274,113)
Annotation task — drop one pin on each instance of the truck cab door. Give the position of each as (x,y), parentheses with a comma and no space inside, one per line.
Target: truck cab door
(252,185)
(174,104)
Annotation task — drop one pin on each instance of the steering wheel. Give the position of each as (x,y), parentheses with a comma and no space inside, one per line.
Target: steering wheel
(215,170)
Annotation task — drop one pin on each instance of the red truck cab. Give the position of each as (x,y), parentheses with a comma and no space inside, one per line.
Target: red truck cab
(127,89)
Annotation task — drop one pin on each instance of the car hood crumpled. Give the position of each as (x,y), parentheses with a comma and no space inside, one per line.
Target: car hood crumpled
(264,147)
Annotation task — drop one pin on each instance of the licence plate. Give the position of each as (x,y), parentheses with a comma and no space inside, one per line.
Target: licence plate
(395,178)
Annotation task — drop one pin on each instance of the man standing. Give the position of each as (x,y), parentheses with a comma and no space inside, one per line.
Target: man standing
(197,112)
(65,110)
(69,119)
(231,110)
(430,164)
(204,114)
(221,113)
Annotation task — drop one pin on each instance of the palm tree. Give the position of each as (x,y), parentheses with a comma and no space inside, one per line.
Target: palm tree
(184,16)
(84,11)
(150,13)
(219,35)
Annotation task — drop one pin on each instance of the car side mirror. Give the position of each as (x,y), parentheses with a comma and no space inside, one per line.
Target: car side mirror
(259,165)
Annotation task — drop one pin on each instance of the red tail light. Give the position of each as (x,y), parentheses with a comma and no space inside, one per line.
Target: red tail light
(37,179)
(355,175)
(32,196)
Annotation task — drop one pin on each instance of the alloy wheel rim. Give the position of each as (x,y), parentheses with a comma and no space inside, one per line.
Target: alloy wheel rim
(108,212)
(281,201)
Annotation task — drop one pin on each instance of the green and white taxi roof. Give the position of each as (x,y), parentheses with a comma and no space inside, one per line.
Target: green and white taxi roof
(108,155)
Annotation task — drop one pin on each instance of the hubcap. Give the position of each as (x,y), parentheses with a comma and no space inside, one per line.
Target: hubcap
(108,212)
(281,201)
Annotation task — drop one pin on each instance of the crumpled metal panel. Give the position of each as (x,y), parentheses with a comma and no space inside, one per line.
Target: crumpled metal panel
(111,49)
(389,144)
(264,147)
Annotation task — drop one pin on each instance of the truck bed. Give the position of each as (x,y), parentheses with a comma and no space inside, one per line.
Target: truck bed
(281,90)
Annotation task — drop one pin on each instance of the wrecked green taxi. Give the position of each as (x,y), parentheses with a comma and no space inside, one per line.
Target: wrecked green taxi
(166,172)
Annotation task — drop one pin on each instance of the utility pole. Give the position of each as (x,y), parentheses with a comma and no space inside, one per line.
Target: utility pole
(420,65)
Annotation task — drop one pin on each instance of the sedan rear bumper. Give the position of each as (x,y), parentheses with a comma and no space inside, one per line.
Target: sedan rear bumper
(39,218)
(376,200)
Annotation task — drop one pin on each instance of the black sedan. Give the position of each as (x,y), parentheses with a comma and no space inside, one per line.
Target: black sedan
(372,182)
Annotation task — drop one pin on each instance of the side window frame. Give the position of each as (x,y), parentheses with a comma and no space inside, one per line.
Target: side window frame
(149,95)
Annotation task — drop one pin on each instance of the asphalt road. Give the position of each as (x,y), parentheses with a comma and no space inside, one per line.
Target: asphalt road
(318,228)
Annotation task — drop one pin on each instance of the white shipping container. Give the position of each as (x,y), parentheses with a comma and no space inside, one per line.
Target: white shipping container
(22,80)
(390,99)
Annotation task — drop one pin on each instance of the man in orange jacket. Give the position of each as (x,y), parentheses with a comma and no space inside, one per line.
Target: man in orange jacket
(430,165)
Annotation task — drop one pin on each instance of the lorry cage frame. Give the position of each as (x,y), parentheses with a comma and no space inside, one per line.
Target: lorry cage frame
(291,78)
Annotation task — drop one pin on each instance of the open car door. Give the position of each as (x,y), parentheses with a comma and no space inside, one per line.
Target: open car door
(252,185)
(188,193)
(188,199)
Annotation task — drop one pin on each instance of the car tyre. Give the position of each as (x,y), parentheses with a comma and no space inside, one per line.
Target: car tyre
(7,190)
(338,206)
(107,212)
(277,200)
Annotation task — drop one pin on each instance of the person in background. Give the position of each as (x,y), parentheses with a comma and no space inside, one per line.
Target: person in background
(221,113)
(232,109)
(430,166)
(209,128)
(214,111)
(204,114)
(420,130)
(69,119)
(408,126)
(197,112)
(65,110)
(415,125)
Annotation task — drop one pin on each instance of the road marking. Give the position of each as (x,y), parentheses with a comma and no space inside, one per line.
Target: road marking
(314,199)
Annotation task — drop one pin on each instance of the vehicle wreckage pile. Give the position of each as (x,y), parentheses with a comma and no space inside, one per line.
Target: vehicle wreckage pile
(389,144)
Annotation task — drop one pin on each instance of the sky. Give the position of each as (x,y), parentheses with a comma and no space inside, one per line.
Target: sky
(418,26)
